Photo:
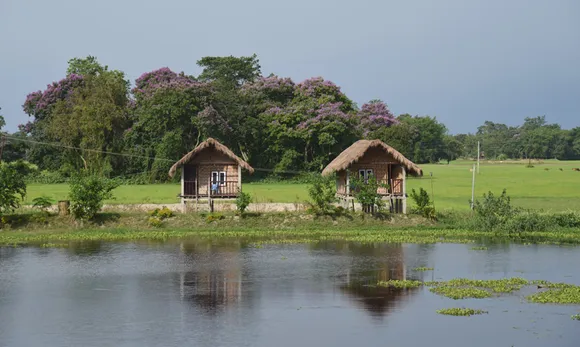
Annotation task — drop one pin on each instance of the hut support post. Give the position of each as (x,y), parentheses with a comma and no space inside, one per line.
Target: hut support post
(347,183)
(183,187)
(239,179)
(404,190)
(209,202)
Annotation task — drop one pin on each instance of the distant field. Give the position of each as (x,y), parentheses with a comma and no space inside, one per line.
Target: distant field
(536,187)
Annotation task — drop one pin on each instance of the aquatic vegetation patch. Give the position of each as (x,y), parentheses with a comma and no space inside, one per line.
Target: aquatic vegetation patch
(504,285)
(400,284)
(479,248)
(576,317)
(466,312)
(568,295)
(422,269)
(457,293)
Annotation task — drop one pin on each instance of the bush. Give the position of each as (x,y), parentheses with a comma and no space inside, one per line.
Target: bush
(214,217)
(243,201)
(322,194)
(526,222)
(565,220)
(424,205)
(502,157)
(87,194)
(494,212)
(366,193)
(47,177)
(12,189)
(155,222)
(162,213)
(42,203)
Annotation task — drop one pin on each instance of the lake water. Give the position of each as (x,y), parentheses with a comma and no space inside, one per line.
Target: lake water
(193,293)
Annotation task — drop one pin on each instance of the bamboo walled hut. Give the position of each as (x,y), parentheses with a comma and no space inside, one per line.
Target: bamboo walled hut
(366,158)
(210,171)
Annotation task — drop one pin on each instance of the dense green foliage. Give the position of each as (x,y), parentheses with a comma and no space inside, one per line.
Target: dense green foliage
(243,201)
(272,122)
(87,194)
(322,193)
(366,192)
(423,203)
(12,189)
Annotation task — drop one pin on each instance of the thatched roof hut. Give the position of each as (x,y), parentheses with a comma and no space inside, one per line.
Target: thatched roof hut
(210,143)
(357,150)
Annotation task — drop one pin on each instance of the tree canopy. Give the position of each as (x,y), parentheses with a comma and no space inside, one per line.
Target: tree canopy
(273,122)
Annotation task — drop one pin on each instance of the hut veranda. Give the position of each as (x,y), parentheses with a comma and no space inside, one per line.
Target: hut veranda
(373,158)
(210,171)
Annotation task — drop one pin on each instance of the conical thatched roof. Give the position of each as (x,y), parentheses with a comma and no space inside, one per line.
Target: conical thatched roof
(208,144)
(358,149)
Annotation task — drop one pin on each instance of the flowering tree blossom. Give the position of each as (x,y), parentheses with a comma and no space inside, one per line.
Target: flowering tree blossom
(375,115)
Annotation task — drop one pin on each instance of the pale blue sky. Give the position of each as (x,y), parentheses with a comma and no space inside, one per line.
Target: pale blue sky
(462,61)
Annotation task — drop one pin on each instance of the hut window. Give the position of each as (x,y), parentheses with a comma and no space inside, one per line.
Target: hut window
(218,177)
(365,174)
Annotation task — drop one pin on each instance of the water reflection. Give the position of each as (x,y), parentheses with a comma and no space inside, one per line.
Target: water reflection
(385,262)
(212,286)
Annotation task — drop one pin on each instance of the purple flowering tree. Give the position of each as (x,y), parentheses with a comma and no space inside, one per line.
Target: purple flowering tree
(40,103)
(374,116)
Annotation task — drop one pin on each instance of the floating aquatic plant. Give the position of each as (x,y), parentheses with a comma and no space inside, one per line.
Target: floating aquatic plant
(460,311)
(568,295)
(400,284)
(576,317)
(457,293)
(423,269)
(479,248)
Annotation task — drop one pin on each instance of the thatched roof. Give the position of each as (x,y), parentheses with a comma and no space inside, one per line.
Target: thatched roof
(209,143)
(358,149)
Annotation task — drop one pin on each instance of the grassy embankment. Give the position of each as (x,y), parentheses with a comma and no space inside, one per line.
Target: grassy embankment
(265,228)
(542,187)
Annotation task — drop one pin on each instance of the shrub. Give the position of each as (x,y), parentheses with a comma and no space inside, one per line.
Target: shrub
(424,205)
(155,222)
(526,221)
(366,193)
(565,220)
(502,157)
(493,212)
(322,194)
(47,177)
(162,213)
(214,217)
(87,194)
(12,189)
(243,201)
(42,203)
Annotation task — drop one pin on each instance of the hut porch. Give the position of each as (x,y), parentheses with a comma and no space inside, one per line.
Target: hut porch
(213,180)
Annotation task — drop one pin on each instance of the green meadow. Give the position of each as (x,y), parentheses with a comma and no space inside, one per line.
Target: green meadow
(550,185)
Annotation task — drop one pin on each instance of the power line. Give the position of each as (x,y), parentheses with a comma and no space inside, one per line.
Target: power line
(87,150)
(54,144)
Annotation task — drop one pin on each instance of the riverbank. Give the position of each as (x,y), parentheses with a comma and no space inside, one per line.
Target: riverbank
(255,228)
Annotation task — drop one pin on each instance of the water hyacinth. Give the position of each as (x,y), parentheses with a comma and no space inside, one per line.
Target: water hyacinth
(457,293)
(460,312)
(400,284)
(568,295)
(148,83)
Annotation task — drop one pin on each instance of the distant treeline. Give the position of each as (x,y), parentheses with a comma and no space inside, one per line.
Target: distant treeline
(273,122)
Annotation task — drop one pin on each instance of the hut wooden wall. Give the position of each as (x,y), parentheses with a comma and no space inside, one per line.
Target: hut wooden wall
(212,160)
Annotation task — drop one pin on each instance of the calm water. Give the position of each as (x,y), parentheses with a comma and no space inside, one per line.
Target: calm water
(196,294)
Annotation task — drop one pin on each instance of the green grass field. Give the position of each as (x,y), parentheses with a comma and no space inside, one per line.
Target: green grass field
(542,187)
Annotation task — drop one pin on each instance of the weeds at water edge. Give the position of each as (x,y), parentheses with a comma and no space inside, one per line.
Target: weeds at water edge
(460,312)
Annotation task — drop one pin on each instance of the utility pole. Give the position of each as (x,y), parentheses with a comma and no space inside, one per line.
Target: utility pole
(473,188)
(478,156)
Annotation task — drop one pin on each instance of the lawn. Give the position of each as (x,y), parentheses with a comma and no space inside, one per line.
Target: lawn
(535,187)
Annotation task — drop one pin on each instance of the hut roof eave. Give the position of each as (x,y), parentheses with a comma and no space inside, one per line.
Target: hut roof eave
(358,149)
(210,142)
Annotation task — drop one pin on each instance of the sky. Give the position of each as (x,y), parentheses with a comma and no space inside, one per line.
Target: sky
(461,61)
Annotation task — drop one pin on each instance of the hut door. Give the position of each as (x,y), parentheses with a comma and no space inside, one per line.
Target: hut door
(190,178)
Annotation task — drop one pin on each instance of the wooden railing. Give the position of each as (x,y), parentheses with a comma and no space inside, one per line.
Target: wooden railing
(219,189)
(395,188)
